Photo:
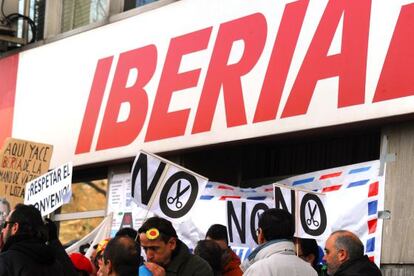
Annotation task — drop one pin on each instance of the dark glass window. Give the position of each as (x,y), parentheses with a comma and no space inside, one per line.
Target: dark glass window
(132,4)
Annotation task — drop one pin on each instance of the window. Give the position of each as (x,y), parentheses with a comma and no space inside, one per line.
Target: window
(78,13)
(38,15)
(131,4)
(85,211)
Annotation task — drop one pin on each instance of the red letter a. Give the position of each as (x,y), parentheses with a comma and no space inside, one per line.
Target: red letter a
(397,74)
(349,65)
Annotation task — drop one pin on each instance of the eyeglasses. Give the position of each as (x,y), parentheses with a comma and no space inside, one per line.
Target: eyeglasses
(7,222)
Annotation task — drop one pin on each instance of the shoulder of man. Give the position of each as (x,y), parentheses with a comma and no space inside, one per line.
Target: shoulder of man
(276,266)
(197,266)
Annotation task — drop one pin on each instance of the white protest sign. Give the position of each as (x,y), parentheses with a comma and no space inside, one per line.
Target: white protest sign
(354,196)
(308,209)
(165,188)
(243,219)
(51,190)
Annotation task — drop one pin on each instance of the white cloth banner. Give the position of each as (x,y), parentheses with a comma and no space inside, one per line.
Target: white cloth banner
(354,195)
(50,190)
(101,232)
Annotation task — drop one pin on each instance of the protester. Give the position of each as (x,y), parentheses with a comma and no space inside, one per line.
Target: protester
(58,249)
(166,254)
(82,264)
(97,254)
(308,250)
(212,253)
(133,234)
(122,257)
(344,255)
(231,262)
(4,209)
(25,251)
(275,255)
(4,212)
(127,231)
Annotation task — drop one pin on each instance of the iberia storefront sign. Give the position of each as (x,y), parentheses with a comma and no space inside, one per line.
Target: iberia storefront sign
(211,71)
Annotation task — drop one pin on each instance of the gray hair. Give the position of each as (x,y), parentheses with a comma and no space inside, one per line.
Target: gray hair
(348,241)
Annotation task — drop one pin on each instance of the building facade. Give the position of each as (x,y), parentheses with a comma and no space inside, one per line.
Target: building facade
(243,92)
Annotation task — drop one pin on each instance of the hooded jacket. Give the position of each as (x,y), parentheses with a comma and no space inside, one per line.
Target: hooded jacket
(358,267)
(25,256)
(276,258)
(232,264)
(183,263)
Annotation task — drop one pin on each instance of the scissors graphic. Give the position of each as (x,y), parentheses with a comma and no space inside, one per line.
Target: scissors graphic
(311,220)
(179,193)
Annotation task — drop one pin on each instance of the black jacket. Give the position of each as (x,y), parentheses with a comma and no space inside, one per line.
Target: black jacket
(25,256)
(183,263)
(358,267)
(61,255)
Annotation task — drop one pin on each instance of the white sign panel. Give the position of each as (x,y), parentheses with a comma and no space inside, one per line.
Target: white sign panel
(307,208)
(162,187)
(51,190)
(243,219)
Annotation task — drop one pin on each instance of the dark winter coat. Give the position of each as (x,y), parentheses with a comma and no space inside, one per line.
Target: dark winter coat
(358,267)
(183,263)
(25,256)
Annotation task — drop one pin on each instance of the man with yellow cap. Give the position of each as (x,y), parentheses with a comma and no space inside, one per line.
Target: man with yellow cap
(166,254)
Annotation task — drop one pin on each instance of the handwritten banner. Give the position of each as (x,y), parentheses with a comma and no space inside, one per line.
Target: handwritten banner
(20,162)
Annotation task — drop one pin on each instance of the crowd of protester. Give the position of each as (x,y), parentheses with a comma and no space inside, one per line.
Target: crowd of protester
(30,246)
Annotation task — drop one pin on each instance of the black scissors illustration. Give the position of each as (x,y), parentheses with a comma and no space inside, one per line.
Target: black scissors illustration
(179,193)
(311,220)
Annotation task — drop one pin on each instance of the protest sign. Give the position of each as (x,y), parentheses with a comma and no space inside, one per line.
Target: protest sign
(308,209)
(20,162)
(354,195)
(243,219)
(51,190)
(165,188)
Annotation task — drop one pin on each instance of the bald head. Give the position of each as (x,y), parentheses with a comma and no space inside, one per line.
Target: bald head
(349,242)
(340,247)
